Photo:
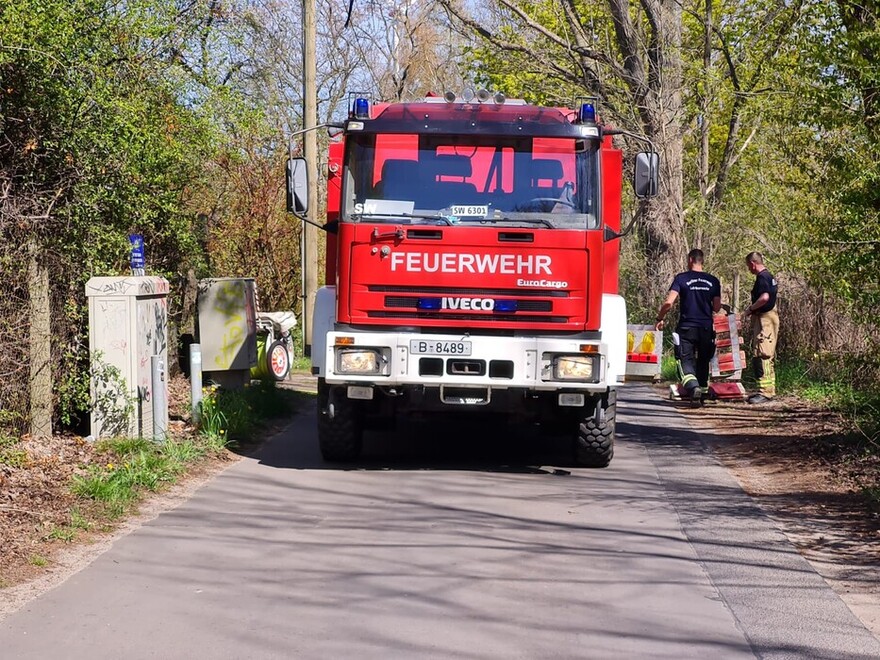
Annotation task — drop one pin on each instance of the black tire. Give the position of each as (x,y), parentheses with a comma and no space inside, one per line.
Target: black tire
(278,361)
(340,425)
(594,443)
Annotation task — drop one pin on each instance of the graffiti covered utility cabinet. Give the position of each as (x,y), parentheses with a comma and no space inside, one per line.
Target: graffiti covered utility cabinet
(128,324)
(227,326)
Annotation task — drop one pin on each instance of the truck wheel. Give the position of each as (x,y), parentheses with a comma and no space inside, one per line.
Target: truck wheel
(340,426)
(594,443)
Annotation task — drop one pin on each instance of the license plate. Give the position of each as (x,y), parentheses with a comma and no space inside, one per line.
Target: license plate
(435,347)
(471,211)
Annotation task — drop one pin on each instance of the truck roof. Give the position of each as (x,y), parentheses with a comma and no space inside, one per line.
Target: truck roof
(473,118)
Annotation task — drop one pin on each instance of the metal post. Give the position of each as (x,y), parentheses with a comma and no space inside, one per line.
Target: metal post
(159,399)
(195,380)
(734,307)
(310,151)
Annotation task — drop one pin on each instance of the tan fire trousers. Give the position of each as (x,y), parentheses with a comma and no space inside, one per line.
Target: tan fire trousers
(765,332)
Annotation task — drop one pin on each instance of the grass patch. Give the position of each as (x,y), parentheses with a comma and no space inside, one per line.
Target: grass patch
(38,560)
(838,391)
(14,458)
(77,522)
(301,364)
(233,416)
(10,454)
(133,466)
(668,368)
(64,533)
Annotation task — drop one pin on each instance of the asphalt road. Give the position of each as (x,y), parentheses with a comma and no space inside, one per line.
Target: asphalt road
(453,541)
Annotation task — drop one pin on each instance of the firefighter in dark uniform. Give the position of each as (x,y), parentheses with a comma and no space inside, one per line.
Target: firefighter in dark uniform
(700,296)
(765,328)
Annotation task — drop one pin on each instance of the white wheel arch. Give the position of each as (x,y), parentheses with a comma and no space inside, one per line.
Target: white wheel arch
(323,321)
(614,337)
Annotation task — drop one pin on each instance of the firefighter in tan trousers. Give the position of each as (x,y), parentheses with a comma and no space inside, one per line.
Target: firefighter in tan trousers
(765,328)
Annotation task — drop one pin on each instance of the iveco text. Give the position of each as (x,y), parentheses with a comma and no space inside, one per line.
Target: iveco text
(486,304)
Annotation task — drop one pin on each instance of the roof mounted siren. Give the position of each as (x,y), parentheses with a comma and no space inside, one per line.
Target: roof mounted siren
(358,106)
(586,109)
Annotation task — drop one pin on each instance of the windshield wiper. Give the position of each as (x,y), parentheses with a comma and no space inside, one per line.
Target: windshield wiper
(447,221)
(419,216)
(528,221)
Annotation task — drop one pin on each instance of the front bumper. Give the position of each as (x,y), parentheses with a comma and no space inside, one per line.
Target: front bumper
(493,362)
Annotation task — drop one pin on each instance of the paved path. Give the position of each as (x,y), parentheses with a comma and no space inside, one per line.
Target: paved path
(448,543)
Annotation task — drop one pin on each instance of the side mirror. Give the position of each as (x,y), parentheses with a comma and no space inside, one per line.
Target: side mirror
(297,186)
(645,176)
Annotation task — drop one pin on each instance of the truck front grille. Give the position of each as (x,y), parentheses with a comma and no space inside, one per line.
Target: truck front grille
(515,318)
(405,302)
(516,306)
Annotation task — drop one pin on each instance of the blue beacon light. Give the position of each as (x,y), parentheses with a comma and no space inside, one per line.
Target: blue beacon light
(361,108)
(588,113)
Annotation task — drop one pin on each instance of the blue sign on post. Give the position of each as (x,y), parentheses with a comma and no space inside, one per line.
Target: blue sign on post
(137,251)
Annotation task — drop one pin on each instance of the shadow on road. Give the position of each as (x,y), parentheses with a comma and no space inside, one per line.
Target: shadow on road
(435,444)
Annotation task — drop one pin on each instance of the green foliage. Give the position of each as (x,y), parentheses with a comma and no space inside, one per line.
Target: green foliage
(135,465)
(72,381)
(213,422)
(78,520)
(300,363)
(11,454)
(95,126)
(110,115)
(239,411)
(124,447)
(669,368)
(836,102)
(64,533)
(233,416)
(68,533)
(7,418)
(10,423)
(549,80)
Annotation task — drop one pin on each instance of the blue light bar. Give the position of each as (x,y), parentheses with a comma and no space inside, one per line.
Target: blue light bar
(361,108)
(506,305)
(429,303)
(588,113)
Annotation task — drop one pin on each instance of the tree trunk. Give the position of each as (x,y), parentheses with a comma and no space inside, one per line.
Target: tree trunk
(664,222)
(704,100)
(40,344)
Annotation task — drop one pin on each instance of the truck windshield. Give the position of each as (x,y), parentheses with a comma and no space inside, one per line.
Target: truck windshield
(458,179)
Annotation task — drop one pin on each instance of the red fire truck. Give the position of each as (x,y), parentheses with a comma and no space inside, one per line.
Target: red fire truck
(472,264)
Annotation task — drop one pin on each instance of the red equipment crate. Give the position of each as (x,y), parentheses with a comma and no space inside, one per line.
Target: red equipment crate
(729,359)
